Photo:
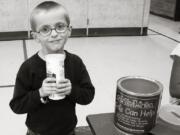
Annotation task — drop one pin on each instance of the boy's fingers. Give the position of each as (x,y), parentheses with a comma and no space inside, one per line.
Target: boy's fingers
(49,85)
(63,81)
(60,86)
(51,90)
(64,85)
(50,80)
(64,90)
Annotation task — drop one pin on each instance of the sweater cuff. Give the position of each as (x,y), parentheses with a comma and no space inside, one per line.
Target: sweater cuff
(74,94)
(81,96)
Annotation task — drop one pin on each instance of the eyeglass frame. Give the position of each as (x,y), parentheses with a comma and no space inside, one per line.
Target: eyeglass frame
(54,28)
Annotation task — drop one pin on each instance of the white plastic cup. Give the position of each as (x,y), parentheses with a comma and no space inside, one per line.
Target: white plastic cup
(55,68)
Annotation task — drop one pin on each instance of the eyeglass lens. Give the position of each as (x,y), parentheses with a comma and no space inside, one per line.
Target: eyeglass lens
(59,28)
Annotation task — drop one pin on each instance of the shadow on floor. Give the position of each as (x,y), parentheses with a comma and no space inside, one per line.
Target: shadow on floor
(83,130)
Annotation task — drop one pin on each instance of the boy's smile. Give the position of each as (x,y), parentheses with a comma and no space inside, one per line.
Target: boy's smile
(52,31)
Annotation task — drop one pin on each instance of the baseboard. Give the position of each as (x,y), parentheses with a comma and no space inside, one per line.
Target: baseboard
(79,32)
(15,35)
(92,32)
(131,31)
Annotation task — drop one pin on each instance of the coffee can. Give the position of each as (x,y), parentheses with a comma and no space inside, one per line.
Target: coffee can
(137,103)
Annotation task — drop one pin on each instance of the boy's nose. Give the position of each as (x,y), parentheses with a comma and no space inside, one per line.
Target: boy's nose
(54,33)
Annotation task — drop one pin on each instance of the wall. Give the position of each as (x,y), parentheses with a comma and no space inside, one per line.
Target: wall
(13,14)
(166,8)
(118,13)
(101,14)
(77,10)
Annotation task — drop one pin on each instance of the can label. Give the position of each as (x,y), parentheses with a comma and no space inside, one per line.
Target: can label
(135,114)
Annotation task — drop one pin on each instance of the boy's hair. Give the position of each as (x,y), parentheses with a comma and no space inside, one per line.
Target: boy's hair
(44,7)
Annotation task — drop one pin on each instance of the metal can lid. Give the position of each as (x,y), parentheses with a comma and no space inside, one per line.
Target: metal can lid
(139,86)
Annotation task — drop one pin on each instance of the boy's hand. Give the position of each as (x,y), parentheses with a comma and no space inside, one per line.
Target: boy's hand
(63,87)
(48,87)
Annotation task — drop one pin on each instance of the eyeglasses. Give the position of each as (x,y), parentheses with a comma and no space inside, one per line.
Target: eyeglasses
(46,30)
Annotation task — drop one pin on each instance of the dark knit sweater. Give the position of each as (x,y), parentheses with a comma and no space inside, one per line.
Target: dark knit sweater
(55,117)
(174,86)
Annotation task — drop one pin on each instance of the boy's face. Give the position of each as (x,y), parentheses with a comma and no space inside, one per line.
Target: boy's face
(52,30)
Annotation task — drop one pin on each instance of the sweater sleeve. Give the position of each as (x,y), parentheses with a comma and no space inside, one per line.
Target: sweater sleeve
(175,78)
(24,99)
(83,91)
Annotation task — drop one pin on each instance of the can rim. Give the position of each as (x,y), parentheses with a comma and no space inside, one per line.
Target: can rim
(159,91)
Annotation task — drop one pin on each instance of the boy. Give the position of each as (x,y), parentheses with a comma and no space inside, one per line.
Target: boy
(50,27)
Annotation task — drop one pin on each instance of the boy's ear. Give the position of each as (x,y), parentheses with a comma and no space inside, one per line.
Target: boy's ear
(69,31)
(35,36)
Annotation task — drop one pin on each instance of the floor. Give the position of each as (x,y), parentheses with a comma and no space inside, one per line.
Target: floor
(106,58)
